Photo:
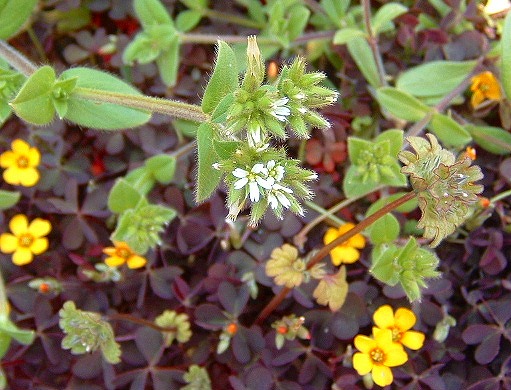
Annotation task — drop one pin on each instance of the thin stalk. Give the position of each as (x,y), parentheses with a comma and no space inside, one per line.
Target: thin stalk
(139,321)
(37,44)
(500,196)
(373,42)
(17,60)
(230,18)
(212,39)
(277,299)
(148,103)
(4,305)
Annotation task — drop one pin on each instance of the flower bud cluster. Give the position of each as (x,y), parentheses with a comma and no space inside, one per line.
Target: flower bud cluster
(289,328)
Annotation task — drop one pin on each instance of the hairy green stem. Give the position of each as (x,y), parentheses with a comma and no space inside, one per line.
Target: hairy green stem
(325,250)
(139,321)
(17,60)
(4,305)
(212,39)
(152,104)
(230,18)
(373,42)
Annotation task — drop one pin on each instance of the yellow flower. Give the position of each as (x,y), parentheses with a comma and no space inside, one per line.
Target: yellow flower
(377,355)
(484,86)
(21,163)
(121,253)
(399,324)
(348,252)
(26,240)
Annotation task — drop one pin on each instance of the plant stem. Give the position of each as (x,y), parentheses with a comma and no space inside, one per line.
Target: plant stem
(152,104)
(139,321)
(373,42)
(277,299)
(500,196)
(212,39)
(4,305)
(230,18)
(17,60)
(37,44)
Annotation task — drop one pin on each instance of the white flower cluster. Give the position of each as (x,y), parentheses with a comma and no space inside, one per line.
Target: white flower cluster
(264,181)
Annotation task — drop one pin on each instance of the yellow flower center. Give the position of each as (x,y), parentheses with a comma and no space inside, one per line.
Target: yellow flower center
(22,162)
(396,335)
(123,252)
(25,240)
(377,355)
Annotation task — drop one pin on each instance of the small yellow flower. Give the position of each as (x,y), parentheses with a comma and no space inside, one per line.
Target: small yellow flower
(286,267)
(485,86)
(121,253)
(399,324)
(21,163)
(377,355)
(348,252)
(26,240)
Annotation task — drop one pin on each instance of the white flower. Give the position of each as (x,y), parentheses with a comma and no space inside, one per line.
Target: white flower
(255,178)
(254,136)
(280,110)
(275,172)
(277,195)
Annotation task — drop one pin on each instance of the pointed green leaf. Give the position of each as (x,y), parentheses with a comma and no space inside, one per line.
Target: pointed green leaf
(34,100)
(344,35)
(22,336)
(226,149)
(8,199)
(505,59)
(395,138)
(208,178)
(106,116)
(401,104)
(224,79)
(123,196)
(151,12)
(162,167)
(168,63)
(363,56)
(13,13)
(450,132)
(493,139)
(5,342)
(141,179)
(188,20)
(385,15)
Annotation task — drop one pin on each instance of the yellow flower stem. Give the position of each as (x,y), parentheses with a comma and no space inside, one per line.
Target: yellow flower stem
(153,104)
(139,321)
(4,304)
(17,60)
(277,299)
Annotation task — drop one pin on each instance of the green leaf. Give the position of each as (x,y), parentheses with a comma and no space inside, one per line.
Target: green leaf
(123,196)
(401,104)
(187,20)
(106,116)
(450,132)
(363,56)
(22,336)
(8,199)
(298,18)
(13,13)
(386,229)
(225,149)
(185,128)
(336,10)
(34,100)
(141,179)
(385,15)
(208,178)
(492,139)
(395,138)
(224,79)
(344,35)
(353,185)
(168,63)
(151,12)
(434,78)
(162,167)
(383,268)
(5,343)
(505,59)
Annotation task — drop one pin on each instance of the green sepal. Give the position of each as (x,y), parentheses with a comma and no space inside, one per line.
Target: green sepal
(208,178)
(401,104)
(13,14)
(450,132)
(162,167)
(33,103)
(123,196)
(106,116)
(8,199)
(151,12)
(224,79)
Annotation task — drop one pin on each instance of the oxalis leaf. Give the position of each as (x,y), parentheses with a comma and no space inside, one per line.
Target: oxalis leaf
(106,116)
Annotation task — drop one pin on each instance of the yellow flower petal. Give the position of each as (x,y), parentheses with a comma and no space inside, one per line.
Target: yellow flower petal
(330,235)
(34,157)
(382,375)
(39,227)
(395,356)
(357,241)
(404,319)
(22,256)
(114,261)
(136,261)
(383,317)
(8,159)
(12,175)
(364,344)
(28,177)
(362,363)
(18,224)
(476,99)
(19,146)
(110,251)
(39,246)
(345,228)
(384,338)
(8,243)
(413,339)
(344,254)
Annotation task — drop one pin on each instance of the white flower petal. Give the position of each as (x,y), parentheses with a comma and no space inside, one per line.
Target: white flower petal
(259,168)
(284,201)
(278,187)
(265,183)
(270,164)
(272,201)
(239,184)
(254,191)
(239,173)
